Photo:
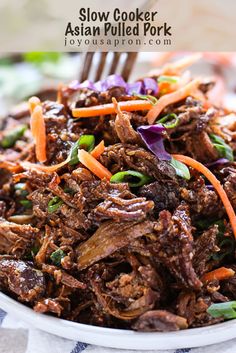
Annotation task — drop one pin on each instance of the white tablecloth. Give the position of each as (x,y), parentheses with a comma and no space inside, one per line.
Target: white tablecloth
(17,337)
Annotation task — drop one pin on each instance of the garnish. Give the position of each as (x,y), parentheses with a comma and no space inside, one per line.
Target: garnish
(33,102)
(215,182)
(86,142)
(217,162)
(74,153)
(224,150)
(57,256)
(132,177)
(169,79)
(38,130)
(93,165)
(98,150)
(171,98)
(12,136)
(218,274)
(180,169)
(226,310)
(54,204)
(107,109)
(150,86)
(171,119)
(153,100)
(178,66)
(26,203)
(153,137)
(45,168)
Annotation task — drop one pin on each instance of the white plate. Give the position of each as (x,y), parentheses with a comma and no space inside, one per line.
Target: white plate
(122,339)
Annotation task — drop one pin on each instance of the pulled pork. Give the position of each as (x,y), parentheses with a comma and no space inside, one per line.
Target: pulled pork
(135,251)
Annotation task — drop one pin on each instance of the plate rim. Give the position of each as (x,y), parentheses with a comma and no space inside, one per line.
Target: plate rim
(189,338)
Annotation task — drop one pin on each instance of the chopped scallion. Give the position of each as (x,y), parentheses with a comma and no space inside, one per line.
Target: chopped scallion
(153,100)
(171,119)
(180,168)
(85,142)
(54,204)
(224,150)
(15,134)
(133,178)
(57,256)
(26,203)
(226,310)
(170,79)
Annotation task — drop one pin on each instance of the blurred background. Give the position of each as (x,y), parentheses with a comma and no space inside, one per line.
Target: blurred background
(40,73)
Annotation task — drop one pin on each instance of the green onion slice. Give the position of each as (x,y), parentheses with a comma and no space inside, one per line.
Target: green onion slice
(170,79)
(172,121)
(226,310)
(223,149)
(74,154)
(86,142)
(57,256)
(180,168)
(151,99)
(15,134)
(54,204)
(133,178)
(26,203)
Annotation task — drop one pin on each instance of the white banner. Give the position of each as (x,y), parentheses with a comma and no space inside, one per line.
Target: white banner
(117,25)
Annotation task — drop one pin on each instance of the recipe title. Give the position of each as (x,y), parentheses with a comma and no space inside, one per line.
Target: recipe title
(103,26)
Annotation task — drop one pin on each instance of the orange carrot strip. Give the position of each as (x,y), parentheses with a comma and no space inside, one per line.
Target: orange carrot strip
(215,182)
(33,102)
(93,165)
(218,274)
(12,167)
(180,65)
(98,150)
(39,132)
(106,109)
(44,168)
(171,98)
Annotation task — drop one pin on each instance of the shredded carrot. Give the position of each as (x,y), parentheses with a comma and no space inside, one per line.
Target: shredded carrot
(17,177)
(59,93)
(98,150)
(171,98)
(44,168)
(33,102)
(180,65)
(12,167)
(218,274)
(93,165)
(106,109)
(215,182)
(161,58)
(167,87)
(39,133)
(217,94)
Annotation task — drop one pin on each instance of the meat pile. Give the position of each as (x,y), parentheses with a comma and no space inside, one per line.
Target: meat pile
(110,254)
